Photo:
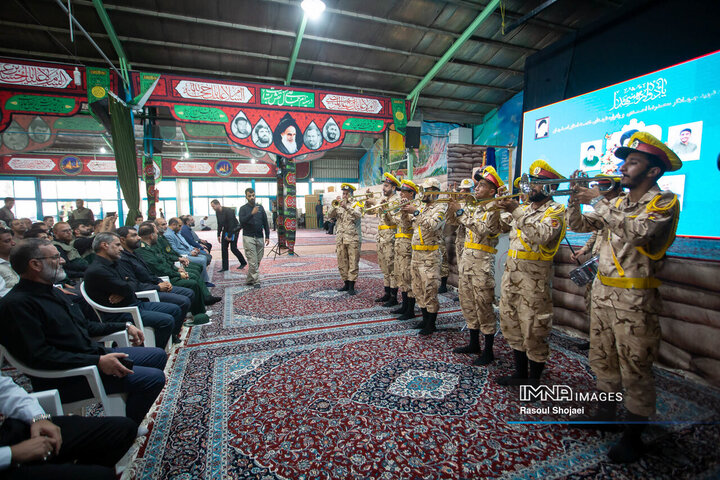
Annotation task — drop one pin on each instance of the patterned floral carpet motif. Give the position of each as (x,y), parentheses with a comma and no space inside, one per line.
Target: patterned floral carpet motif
(299,382)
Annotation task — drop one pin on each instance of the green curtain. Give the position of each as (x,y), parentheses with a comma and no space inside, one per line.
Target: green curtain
(123,139)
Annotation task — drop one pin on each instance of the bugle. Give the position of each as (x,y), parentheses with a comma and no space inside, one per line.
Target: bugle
(336,203)
(550,186)
(398,206)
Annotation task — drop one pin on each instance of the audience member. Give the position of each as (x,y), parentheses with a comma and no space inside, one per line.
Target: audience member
(106,285)
(75,265)
(43,329)
(6,213)
(9,276)
(179,245)
(203,224)
(34,444)
(49,220)
(18,228)
(190,236)
(81,213)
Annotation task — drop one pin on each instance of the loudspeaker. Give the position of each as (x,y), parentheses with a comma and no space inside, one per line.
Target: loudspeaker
(412,137)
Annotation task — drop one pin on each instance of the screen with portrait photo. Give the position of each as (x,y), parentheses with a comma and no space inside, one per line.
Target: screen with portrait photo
(678,105)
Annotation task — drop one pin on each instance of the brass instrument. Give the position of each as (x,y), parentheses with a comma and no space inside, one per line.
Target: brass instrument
(605,184)
(375,207)
(336,203)
(398,206)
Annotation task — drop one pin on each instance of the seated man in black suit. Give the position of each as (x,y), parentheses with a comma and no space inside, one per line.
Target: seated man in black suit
(35,445)
(44,330)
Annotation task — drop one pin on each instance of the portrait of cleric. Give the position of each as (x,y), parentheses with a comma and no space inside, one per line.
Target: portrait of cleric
(262,135)
(287,136)
(241,127)
(15,137)
(331,131)
(313,137)
(39,131)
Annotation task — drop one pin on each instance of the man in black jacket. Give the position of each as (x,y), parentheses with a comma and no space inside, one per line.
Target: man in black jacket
(44,330)
(106,285)
(228,230)
(140,278)
(254,223)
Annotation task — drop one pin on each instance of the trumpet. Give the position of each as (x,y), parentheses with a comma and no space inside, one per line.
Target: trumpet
(398,206)
(336,203)
(550,186)
(375,207)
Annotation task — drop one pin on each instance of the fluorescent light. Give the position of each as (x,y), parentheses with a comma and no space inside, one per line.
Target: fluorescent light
(313,8)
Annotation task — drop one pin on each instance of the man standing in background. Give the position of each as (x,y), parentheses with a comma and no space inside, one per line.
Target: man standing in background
(254,222)
(6,213)
(228,230)
(81,213)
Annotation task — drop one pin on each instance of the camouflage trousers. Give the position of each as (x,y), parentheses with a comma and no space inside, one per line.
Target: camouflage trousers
(526,307)
(445,266)
(386,259)
(401,267)
(425,266)
(348,256)
(623,346)
(477,291)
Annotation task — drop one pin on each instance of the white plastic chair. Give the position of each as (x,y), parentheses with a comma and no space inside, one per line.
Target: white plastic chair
(114,404)
(134,312)
(49,400)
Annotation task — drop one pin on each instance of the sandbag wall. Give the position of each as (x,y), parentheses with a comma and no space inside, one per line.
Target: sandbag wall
(690,317)
(461,161)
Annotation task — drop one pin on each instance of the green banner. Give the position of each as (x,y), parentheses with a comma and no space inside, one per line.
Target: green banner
(146,81)
(204,130)
(205,114)
(37,103)
(98,83)
(79,122)
(399,115)
(363,125)
(287,98)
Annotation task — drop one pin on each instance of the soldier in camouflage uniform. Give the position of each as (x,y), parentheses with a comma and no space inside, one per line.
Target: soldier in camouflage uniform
(403,250)
(426,260)
(639,226)
(526,311)
(347,237)
(386,241)
(477,265)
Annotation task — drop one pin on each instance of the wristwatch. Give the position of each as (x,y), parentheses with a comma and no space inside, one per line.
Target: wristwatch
(416,213)
(595,200)
(42,416)
(460,212)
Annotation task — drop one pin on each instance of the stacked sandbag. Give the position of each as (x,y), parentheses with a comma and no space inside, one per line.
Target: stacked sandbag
(689,319)
(462,159)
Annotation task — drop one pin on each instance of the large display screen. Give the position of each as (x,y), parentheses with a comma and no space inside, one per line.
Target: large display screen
(680,105)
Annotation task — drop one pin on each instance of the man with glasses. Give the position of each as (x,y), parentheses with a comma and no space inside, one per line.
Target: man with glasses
(43,329)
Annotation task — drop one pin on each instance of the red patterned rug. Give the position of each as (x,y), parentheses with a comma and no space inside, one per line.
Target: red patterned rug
(298,380)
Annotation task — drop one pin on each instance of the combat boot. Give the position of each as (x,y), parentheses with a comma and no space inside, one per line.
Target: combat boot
(473,346)
(520,377)
(630,447)
(385,297)
(404,305)
(421,325)
(344,288)
(393,298)
(430,325)
(443,285)
(351,288)
(410,312)
(487,354)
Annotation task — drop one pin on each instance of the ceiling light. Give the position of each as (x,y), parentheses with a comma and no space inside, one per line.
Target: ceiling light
(313,8)
(186,154)
(312,179)
(252,161)
(102,150)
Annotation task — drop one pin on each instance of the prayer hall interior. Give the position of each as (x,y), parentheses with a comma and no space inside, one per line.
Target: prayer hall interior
(395,239)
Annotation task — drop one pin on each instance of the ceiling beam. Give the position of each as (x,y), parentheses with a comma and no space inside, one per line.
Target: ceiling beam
(296,48)
(283,33)
(415,26)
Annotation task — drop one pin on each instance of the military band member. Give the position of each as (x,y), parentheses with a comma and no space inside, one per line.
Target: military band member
(639,226)
(403,218)
(347,237)
(477,265)
(526,311)
(466,186)
(386,241)
(426,259)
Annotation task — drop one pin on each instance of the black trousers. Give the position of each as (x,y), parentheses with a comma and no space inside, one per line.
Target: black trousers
(233,248)
(91,446)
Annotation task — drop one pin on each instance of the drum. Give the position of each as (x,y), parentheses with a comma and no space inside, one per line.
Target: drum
(585,273)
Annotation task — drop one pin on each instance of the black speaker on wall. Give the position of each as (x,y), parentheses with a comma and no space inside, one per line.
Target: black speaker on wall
(412,137)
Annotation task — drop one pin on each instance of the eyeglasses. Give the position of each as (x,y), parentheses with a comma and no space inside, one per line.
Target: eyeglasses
(53,257)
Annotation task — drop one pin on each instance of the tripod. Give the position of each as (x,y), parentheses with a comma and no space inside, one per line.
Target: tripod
(279,249)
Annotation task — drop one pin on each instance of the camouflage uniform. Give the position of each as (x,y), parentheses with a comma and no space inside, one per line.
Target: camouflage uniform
(477,268)
(386,245)
(403,250)
(347,238)
(426,259)
(526,304)
(624,327)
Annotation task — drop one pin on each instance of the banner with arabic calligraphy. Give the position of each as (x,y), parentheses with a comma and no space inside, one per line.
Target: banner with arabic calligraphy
(41,88)
(288,121)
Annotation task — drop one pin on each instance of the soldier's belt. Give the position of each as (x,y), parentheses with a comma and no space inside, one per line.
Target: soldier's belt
(527,255)
(403,235)
(425,247)
(387,227)
(480,246)
(626,282)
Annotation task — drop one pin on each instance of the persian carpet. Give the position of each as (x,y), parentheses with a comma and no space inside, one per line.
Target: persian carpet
(300,381)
